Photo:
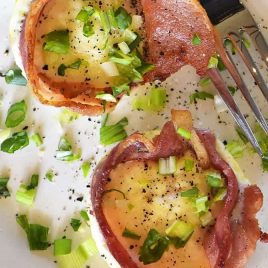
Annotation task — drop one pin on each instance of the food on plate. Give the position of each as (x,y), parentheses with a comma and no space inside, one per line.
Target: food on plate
(85,54)
(170,200)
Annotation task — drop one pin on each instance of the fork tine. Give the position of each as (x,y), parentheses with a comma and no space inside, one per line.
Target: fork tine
(219,83)
(245,91)
(259,41)
(253,68)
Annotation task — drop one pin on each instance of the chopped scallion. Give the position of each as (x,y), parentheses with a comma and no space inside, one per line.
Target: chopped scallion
(123,18)
(84,215)
(201,204)
(153,247)
(86,168)
(188,165)
(107,97)
(16,142)
(79,256)
(57,42)
(4,192)
(213,62)
(190,193)
(201,95)
(196,40)
(123,89)
(215,180)
(15,77)
(129,234)
(75,223)
(37,234)
(16,114)
(184,133)
(62,246)
(113,133)
(167,166)
(37,139)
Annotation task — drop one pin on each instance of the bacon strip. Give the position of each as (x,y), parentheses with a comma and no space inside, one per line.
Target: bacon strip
(166,144)
(218,243)
(246,231)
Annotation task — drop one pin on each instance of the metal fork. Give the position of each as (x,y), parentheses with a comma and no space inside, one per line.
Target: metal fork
(237,42)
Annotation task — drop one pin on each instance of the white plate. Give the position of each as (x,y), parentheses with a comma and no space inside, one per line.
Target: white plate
(53,206)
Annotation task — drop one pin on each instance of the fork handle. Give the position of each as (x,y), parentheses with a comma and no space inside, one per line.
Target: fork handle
(219,10)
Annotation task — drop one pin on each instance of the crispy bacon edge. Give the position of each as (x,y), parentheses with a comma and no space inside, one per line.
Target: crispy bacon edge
(219,243)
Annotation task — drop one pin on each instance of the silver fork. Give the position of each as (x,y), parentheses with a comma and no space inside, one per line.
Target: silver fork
(237,41)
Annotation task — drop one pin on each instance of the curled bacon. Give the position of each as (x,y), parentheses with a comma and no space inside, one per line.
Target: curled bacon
(221,246)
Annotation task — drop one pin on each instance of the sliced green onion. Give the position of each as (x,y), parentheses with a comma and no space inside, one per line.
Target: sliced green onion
(37,139)
(221,67)
(17,142)
(105,23)
(67,116)
(75,66)
(246,42)
(228,42)
(104,119)
(181,230)
(86,166)
(137,22)
(84,215)
(201,204)
(133,42)
(130,37)
(205,81)
(75,223)
(57,42)
(145,68)
(88,29)
(213,62)
(232,90)
(106,97)
(129,234)
(188,165)
(184,133)
(125,88)
(190,193)
(155,101)
(62,246)
(236,148)
(207,219)
(153,247)
(220,195)
(65,153)
(201,95)
(15,77)
(78,257)
(123,18)
(85,13)
(196,40)
(167,166)
(113,133)
(110,68)
(124,47)
(50,175)
(16,114)
(4,192)
(121,61)
(265,162)
(111,17)
(26,194)
(215,180)
(37,235)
